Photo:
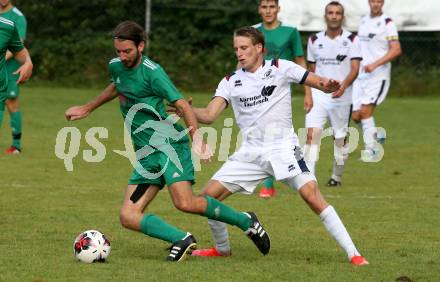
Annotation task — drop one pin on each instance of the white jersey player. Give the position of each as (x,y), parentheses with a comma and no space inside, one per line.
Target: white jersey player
(380,45)
(334,53)
(259,94)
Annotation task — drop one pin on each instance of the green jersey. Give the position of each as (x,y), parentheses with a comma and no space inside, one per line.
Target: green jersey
(282,42)
(17,17)
(9,40)
(147,85)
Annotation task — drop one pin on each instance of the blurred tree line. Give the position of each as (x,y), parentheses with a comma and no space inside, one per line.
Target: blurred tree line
(71,45)
(70,40)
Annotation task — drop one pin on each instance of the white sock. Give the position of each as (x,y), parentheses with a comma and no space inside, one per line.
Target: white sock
(311,154)
(220,235)
(338,170)
(370,131)
(337,230)
(340,152)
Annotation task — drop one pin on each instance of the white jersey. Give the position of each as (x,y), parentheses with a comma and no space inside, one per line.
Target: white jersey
(261,101)
(375,34)
(332,58)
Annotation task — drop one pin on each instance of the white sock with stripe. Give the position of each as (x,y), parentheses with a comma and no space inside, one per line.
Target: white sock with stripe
(337,230)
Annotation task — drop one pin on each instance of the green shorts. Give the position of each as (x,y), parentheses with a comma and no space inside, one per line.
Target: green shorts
(159,169)
(13,89)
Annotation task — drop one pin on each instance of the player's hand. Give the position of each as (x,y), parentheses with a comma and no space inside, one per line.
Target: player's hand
(339,92)
(172,109)
(76,112)
(308,103)
(369,68)
(330,85)
(24,72)
(200,148)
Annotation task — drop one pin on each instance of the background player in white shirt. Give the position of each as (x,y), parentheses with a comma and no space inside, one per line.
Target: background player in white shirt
(334,53)
(261,99)
(380,45)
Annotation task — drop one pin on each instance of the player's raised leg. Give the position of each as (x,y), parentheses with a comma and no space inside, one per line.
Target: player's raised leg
(255,231)
(214,209)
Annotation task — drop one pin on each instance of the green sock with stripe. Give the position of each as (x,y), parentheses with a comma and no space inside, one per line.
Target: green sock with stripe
(219,211)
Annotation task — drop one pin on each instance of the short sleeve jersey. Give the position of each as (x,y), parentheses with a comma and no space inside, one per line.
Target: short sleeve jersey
(148,86)
(262,100)
(16,16)
(332,58)
(283,42)
(375,34)
(9,40)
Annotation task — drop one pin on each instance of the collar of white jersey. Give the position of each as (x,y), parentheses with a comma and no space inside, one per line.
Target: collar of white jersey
(339,35)
(258,70)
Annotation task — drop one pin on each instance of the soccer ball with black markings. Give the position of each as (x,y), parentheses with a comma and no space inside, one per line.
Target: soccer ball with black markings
(91,246)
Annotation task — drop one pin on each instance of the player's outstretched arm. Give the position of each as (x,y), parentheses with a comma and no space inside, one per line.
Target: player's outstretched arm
(25,70)
(212,111)
(324,84)
(204,115)
(80,112)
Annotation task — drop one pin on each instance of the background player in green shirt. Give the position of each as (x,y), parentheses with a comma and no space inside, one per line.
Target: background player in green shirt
(10,41)
(142,85)
(8,11)
(282,42)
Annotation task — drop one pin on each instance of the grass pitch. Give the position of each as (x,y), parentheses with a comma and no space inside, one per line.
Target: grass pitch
(390,208)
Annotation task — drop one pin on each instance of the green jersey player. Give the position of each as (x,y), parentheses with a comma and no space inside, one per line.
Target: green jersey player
(163,155)
(282,42)
(10,41)
(8,11)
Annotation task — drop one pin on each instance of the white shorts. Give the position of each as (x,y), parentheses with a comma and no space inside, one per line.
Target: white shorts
(249,166)
(368,91)
(337,113)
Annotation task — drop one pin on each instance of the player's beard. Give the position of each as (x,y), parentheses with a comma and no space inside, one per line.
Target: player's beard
(132,63)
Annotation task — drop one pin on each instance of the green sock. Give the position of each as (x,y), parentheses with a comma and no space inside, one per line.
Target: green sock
(16,129)
(2,110)
(154,226)
(268,183)
(218,211)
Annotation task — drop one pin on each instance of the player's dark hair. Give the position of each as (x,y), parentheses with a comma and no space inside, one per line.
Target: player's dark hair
(334,3)
(250,32)
(259,2)
(129,30)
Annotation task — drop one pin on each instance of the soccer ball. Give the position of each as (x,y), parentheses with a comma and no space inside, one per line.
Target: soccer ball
(91,246)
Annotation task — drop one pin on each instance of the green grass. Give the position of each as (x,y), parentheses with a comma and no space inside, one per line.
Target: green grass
(390,208)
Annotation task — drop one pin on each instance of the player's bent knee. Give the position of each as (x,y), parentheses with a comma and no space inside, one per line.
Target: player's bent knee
(184,205)
(129,218)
